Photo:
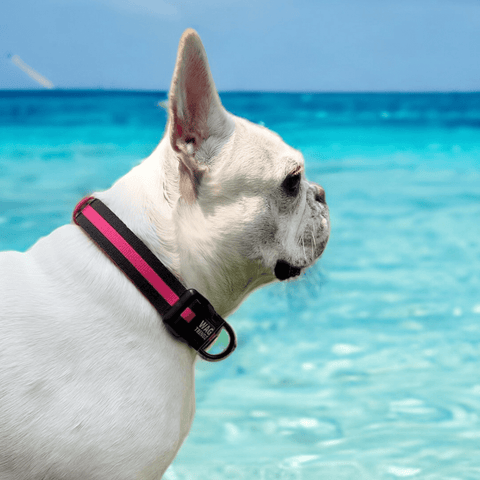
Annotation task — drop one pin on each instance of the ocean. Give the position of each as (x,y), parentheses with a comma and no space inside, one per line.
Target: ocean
(367,367)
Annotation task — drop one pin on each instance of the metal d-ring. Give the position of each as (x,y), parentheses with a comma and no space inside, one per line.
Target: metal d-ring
(230,348)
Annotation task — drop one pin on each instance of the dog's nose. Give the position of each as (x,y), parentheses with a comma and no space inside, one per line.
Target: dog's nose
(319,194)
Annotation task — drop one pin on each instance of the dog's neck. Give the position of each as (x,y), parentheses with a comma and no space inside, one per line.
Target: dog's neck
(146,199)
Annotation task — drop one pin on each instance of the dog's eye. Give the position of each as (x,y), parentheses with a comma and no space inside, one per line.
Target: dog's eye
(291,185)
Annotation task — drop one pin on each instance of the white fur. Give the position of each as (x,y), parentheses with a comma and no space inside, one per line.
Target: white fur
(92,386)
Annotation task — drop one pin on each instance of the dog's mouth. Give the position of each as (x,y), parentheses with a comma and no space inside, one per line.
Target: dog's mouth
(283,270)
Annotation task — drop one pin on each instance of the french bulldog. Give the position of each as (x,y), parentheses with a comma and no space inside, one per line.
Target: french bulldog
(92,385)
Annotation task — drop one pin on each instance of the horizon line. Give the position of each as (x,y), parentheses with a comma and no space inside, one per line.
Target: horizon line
(54,90)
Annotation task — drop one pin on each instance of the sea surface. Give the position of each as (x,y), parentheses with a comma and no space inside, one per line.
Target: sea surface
(368,367)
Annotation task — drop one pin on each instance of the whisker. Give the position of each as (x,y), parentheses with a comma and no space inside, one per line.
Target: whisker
(313,244)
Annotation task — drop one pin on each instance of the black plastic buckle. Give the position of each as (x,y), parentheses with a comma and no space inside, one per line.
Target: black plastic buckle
(203,329)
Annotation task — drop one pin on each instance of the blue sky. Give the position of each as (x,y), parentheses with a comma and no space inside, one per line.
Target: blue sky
(273,45)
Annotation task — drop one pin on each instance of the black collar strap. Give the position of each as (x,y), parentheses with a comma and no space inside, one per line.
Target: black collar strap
(188,315)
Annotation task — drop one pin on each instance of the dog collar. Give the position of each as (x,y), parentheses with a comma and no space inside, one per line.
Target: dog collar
(187,314)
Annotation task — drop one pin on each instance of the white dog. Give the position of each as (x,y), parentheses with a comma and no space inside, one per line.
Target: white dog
(92,384)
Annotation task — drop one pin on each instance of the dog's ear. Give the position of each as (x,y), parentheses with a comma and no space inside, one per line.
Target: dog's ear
(195,111)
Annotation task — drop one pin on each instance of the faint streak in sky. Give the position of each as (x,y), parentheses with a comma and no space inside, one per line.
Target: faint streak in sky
(33,74)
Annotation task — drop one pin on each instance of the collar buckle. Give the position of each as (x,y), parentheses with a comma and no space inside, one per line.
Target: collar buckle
(203,329)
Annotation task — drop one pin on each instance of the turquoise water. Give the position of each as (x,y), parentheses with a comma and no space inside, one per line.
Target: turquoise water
(368,367)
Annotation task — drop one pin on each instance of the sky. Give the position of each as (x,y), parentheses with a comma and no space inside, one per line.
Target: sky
(259,45)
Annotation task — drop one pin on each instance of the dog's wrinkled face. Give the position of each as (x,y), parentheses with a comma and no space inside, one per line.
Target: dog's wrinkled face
(285,218)
(260,206)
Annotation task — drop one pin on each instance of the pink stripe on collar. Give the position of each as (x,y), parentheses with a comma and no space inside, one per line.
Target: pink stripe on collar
(135,259)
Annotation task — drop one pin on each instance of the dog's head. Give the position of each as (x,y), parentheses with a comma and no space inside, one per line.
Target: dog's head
(246,214)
